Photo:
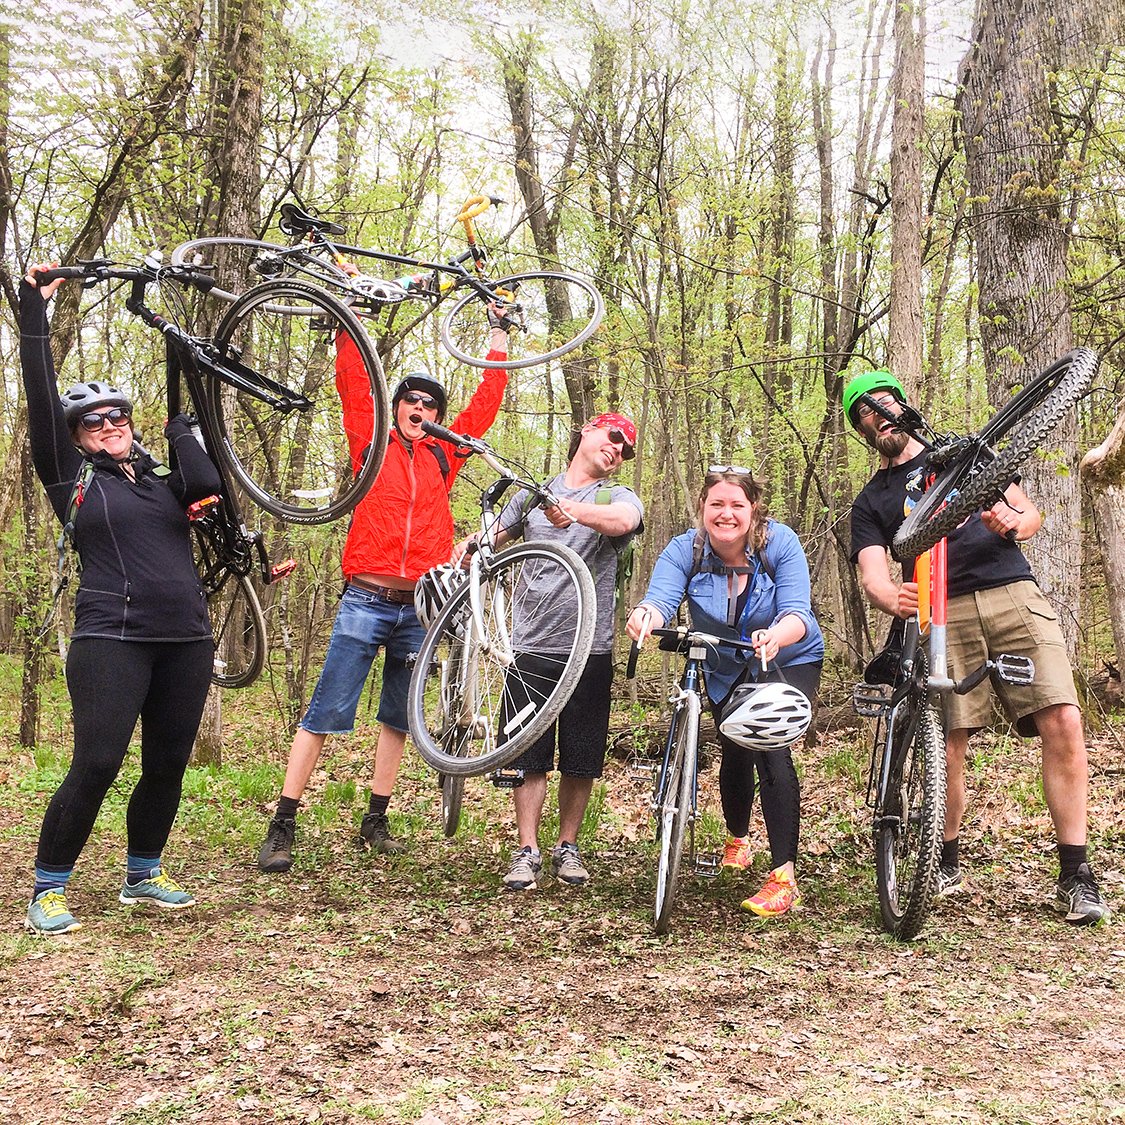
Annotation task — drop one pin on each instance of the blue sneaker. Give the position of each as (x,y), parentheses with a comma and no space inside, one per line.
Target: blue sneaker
(159,889)
(47,914)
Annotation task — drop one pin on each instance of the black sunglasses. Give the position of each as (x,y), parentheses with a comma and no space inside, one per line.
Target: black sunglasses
(618,438)
(94,421)
(416,398)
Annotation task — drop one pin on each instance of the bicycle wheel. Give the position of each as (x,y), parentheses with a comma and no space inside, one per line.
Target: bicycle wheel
(980,475)
(302,406)
(452,793)
(237,621)
(554,313)
(674,809)
(517,677)
(238,263)
(454,674)
(909,823)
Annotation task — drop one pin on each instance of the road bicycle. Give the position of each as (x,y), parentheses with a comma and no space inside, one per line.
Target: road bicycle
(675,793)
(225,391)
(547,314)
(487,682)
(906,779)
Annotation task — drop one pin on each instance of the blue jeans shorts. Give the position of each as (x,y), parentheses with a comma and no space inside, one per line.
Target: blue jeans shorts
(364,624)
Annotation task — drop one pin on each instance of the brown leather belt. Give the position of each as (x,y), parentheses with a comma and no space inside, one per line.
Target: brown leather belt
(387,593)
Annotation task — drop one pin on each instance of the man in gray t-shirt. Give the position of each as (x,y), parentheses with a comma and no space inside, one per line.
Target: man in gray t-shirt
(597,520)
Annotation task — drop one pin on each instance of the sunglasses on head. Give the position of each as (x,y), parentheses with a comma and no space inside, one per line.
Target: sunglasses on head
(416,398)
(737,470)
(94,421)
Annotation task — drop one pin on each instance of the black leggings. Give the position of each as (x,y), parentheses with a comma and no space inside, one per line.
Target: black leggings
(111,684)
(777,781)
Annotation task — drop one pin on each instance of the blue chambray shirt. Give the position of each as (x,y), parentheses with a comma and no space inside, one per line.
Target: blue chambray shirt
(769,600)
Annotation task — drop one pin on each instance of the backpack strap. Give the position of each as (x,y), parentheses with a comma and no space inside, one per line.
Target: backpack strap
(758,559)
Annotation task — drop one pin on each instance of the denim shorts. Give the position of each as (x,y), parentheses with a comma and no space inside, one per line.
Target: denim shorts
(364,624)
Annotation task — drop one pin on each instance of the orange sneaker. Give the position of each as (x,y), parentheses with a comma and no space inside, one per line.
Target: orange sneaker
(736,855)
(775,898)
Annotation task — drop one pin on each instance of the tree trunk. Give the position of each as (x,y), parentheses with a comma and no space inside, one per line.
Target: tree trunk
(239,179)
(1014,148)
(1103,470)
(906,196)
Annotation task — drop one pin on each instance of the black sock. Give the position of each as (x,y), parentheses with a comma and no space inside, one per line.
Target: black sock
(287,807)
(377,804)
(1071,857)
(950,852)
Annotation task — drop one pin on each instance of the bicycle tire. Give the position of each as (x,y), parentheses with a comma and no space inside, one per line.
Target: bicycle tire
(237,622)
(514,587)
(545,303)
(909,827)
(452,684)
(1014,433)
(674,810)
(302,465)
(252,261)
(452,795)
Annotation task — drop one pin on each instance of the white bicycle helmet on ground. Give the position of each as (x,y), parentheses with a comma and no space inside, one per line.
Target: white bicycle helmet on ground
(769,716)
(434,589)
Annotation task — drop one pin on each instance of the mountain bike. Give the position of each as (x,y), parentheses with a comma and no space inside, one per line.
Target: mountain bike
(486,682)
(265,387)
(675,791)
(906,778)
(214,371)
(546,314)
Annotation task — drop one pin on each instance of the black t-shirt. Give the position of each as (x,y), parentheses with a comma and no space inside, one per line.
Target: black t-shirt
(979,559)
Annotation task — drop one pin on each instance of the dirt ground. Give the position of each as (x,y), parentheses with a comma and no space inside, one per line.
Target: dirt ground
(413,989)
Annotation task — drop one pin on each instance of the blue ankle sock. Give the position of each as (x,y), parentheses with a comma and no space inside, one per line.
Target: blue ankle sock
(51,879)
(140,867)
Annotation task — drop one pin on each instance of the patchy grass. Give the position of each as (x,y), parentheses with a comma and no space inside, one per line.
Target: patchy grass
(412,989)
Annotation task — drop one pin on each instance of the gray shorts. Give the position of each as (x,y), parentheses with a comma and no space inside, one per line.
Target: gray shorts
(1016,619)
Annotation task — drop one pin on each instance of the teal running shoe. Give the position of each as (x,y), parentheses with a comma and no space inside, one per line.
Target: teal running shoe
(158,889)
(48,916)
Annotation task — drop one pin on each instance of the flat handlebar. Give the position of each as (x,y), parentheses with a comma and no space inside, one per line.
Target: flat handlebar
(684,637)
(103,270)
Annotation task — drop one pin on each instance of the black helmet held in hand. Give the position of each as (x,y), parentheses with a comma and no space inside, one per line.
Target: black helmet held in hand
(424,384)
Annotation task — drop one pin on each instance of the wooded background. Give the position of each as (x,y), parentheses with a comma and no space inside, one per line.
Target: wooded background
(771,199)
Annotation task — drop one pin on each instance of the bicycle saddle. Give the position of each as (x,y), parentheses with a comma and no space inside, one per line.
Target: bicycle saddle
(294,221)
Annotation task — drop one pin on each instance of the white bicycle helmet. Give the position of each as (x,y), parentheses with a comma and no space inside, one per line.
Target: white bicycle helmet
(768,716)
(434,589)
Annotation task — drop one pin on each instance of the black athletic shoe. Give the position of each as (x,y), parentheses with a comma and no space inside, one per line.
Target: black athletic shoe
(375,833)
(1079,899)
(950,881)
(277,851)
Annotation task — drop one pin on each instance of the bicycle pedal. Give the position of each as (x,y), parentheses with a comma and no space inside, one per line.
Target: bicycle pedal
(282,570)
(709,866)
(642,769)
(871,700)
(507,779)
(1014,669)
(202,507)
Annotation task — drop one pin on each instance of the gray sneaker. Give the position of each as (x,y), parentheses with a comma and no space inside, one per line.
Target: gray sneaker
(1079,899)
(276,853)
(525,866)
(950,881)
(567,865)
(375,833)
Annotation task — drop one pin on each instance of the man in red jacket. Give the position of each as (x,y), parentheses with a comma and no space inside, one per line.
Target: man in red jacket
(399,530)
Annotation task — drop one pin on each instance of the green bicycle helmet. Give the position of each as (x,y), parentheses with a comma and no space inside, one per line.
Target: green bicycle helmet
(865,383)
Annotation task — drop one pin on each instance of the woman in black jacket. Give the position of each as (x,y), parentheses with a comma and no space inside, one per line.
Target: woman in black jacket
(142,645)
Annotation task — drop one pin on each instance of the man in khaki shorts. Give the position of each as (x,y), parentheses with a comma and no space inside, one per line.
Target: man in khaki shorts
(995,606)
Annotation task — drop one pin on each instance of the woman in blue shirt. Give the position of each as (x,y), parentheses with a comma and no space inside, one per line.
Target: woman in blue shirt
(749,581)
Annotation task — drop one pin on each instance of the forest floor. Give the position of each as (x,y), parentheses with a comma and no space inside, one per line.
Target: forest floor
(413,989)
